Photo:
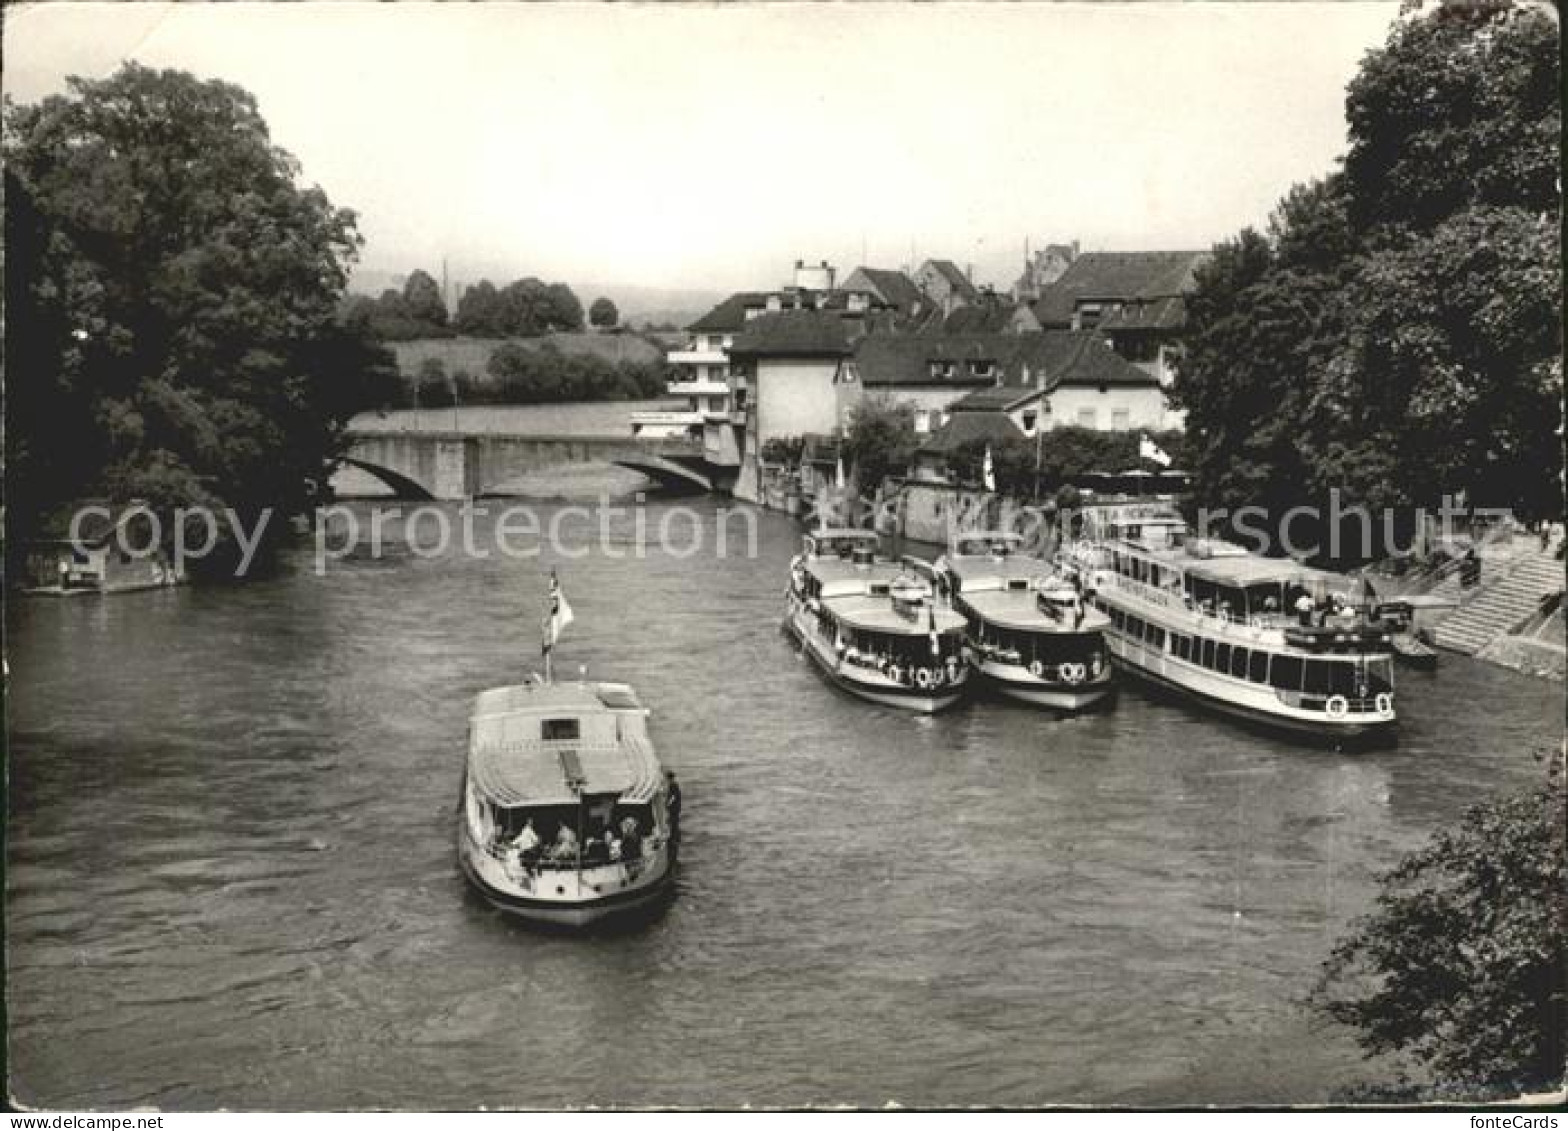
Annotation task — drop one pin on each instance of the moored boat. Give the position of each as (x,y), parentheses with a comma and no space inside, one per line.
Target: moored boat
(1265,640)
(1032,636)
(873,626)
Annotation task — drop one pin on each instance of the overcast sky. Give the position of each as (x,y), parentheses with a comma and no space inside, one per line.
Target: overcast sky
(706,147)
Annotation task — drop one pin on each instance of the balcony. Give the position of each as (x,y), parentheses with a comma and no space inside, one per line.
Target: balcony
(699,388)
(697,357)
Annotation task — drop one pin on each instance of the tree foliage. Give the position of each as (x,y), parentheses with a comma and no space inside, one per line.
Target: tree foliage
(1062,456)
(520,374)
(1396,332)
(603,313)
(171,292)
(1462,964)
(880,440)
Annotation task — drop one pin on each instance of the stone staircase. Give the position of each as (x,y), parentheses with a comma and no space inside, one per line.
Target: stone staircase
(1501,603)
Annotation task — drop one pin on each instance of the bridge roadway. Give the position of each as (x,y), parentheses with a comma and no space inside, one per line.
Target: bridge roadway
(464,465)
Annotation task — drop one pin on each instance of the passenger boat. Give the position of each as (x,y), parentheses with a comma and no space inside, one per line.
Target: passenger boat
(1031,634)
(566,815)
(873,626)
(1270,641)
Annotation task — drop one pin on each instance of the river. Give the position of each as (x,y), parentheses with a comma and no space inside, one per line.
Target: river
(231,881)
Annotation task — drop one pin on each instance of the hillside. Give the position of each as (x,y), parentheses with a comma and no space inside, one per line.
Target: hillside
(473,354)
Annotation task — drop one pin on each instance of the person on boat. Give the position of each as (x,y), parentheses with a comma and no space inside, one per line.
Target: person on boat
(631,839)
(612,844)
(526,842)
(673,801)
(1304,609)
(596,851)
(565,846)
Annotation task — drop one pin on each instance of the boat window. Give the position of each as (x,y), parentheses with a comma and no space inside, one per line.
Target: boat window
(560,730)
(1135,627)
(1380,675)
(1258,667)
(879,590)
(1182,646)
(1208,654)
(1157,637)
(1319,677)
(1222,658)
(1238,663)
(1285,673)
(1018,583)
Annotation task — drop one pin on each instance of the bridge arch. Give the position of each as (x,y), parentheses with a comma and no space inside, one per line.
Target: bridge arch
(402,486)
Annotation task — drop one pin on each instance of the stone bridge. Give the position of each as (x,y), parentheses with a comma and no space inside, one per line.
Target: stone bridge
(465,465)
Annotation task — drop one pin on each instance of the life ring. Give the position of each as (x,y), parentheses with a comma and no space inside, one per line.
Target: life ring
(1036,668)
(896,674)
(1385,702)
(922,677)
(1073,673)
(1337,707)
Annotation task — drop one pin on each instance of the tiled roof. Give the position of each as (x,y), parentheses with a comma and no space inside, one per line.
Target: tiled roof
(966,427)
(978,318)
(1117,275)
(730,314)
(995,398)
(895,288)
(794,333)
(1064,357)
(1167,313)
(955,278)
(906,359)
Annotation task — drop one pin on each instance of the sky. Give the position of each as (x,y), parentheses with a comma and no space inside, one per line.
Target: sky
(707,147)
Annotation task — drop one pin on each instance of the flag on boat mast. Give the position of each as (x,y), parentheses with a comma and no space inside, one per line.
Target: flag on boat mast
(1148,449)
(559,616)
(987,472)
(936,639)
(838,472)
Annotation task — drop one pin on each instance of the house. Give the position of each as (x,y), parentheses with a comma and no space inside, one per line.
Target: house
(944,284)
(1136,299)
(717,398)
(993,416)
(892,290)
(1090,385)
(112,549)
(927,371)
(990,314)
(1042,269)
(789,361)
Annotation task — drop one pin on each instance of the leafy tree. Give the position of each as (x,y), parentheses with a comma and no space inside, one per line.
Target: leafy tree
(525,308)
(562,310)
(603,314)
(880,440)
(432,386)
(480,311)
(422,299)
(1461,966)
(171,292)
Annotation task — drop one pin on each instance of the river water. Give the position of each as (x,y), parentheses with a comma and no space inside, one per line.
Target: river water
(230,876)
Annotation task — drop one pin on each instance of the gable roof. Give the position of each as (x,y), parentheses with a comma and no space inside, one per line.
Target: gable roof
(954,277)
(1116,275)
(979,318)
(794,333)
(1078,358)
(894,287)
(966,427)
(996,398)
(1075,358)
(729,314)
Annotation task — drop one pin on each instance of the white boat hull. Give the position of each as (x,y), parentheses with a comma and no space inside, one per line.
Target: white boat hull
(569,898)
(1017,682)
(870,685)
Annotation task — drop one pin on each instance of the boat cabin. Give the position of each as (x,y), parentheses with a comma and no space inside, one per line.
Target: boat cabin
(571,761)
(845,544)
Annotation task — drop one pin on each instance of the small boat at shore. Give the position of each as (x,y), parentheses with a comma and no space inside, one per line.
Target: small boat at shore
(566,815)
(874,626)
(1032,635)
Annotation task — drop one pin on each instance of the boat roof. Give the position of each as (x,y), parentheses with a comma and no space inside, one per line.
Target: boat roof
(878,615)
(512,764)
(1243,569)
(844,532)
(975,569)
(1018,608)
(1010,537)
(830,570)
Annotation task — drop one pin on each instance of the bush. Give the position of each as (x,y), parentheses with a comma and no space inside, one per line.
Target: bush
(1462,963)
(880,440)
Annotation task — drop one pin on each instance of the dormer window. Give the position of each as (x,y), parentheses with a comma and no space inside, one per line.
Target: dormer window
(942,369)
(982,368)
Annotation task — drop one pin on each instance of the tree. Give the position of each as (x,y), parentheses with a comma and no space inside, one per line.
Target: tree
(880,440)
(1462,964)
(433,389)
(172,294)
(422,299)
(480,311)
(562,310)
(603,314)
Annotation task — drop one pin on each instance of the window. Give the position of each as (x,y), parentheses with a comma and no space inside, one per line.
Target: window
(1182,645)
(1238,662)
(1285,673)
(982,368)
(1222,658)
(1319,678)
(1086,418)
(1119,420)
(560,730)
(922,422)
(1157,637)
(1208,654)
(1258,667)
(1029,421)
